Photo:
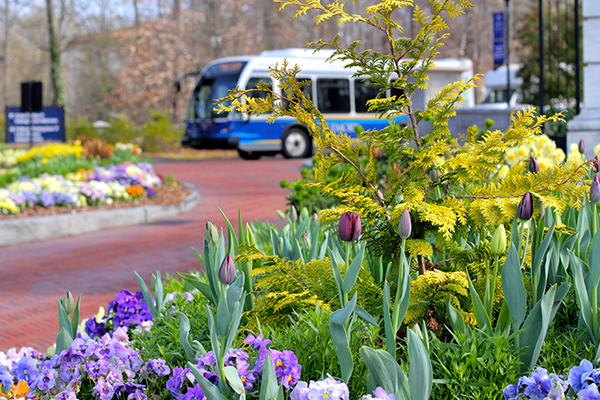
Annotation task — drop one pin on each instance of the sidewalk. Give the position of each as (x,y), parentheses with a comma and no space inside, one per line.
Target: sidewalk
(98,265)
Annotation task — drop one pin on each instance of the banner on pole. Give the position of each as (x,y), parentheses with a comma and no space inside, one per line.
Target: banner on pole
(499,49)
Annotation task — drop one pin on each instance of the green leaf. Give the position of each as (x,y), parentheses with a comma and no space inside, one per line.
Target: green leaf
(483,319)
(232,376)
(199,284)
(147,295)
(535,328)
(594,261)
(75,319)
(364,314)
(514,288)
(382,368)
(184,330)
(390,332)
(211,392)
(337,322)
(352,274)
(232,239)
(456,320)
(420,374)
(269,388)
(63,340)
(223,316)
(158,292)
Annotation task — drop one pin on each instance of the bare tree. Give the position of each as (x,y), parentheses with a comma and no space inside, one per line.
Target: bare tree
(59,98)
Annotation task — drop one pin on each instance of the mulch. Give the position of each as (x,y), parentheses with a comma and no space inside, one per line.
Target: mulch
(166,194)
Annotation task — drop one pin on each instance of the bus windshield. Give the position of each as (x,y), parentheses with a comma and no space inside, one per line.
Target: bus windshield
(214,84)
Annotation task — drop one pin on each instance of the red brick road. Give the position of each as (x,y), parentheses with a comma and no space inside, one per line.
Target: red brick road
(98,265)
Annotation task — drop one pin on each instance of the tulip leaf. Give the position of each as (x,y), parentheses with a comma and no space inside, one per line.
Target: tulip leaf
(594,261)
(234,324)
(63,341)
(513,287)
(581,292)
(158,292)
(364,314)
(420,374)
(232,239)
(269,388)
(199,284)
(456,320)
(503,321)
(214,339)
(535,328)
(390,333)
(184,330)
(233,378)
(223,316)
(147,295)
(337,322)
(211,392)
(352,273)
(540,252)
(75,319)
(275,242)
(481,316)
(382,368)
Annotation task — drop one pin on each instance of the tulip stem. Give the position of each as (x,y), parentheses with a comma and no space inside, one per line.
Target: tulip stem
(594,219)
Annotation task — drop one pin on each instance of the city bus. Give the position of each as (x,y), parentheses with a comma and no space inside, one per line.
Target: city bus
(341,99)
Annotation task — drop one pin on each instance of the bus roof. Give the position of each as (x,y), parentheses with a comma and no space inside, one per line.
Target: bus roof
(310,61)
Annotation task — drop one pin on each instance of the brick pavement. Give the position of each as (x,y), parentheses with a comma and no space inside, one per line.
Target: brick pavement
(98,265)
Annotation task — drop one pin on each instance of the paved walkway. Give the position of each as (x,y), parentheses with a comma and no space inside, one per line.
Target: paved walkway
(98,265)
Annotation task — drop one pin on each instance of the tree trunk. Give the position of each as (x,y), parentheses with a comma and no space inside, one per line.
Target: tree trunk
(59,99)
(5,48)
(176,10)
(136,12)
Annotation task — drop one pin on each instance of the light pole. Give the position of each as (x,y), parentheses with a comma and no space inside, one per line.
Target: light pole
(507,12)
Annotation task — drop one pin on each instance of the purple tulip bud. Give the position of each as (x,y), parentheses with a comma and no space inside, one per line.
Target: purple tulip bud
(582,146)
(349,226)
(595,190)
(227,271)
(525,207)
(534,166)
(595,164)
(405,225)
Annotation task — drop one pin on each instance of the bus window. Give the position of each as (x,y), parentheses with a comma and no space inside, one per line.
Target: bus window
(306,90)
(253,82)
(363,93)
(333,95)
(205,94)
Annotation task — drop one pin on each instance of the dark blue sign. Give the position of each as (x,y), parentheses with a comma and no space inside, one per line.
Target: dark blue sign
(499,25)
(46,125)
(498,38)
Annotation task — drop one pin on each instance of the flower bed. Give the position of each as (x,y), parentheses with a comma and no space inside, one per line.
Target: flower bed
(127,183)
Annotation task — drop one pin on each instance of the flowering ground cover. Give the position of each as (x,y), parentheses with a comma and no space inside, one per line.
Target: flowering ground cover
(58,184)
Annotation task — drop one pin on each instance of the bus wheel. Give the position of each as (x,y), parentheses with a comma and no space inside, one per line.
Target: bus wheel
(296,144)
(249,155)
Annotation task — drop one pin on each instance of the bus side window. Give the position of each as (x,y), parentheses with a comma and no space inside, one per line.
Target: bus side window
(363,93)
(253,82)
(333,95)
(306,90)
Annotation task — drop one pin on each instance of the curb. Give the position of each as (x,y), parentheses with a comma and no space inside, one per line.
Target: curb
(34,229)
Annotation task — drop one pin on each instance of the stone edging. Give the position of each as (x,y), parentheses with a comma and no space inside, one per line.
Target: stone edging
(34,229)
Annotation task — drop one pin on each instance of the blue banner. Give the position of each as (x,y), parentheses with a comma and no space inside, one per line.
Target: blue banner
(499,25)
(46,125)
(499,50)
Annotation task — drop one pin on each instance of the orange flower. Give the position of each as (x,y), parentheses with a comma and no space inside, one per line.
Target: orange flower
(19,391)
(135,191)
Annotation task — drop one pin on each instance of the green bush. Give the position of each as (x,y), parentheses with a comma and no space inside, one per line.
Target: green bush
(159,135)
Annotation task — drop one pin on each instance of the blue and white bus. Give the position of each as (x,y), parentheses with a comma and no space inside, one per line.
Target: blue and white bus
(339,97)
